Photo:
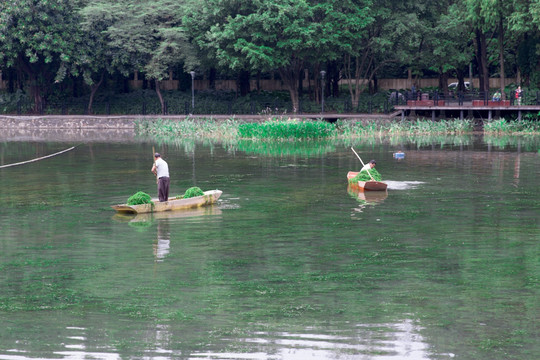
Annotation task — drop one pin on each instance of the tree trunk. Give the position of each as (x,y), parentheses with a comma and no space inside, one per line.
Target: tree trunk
(481,57)
(160,96)
(11,81)
(333,78)
(461,80)
(212,78)
(316,83)
(300,83)
(358,77)
(243,82)
(443,82)
(289,76)
(35,92)
(501,56)
(93,89)
(35,89)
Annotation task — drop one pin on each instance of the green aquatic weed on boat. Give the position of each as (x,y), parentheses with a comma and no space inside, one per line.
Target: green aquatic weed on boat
(364,176)
(192,192)
(139,198)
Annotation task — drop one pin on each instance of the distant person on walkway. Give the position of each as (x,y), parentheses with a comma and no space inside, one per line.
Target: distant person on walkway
(370,165)
(161,170)
(497,96)
(519,93)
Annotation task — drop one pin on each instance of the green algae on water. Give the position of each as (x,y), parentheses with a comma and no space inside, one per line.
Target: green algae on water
(139,198)
(364,176)
(192,192)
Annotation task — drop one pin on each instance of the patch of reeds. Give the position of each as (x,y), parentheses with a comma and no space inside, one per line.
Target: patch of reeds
(189,128)
(519,127)
(290,129)
(416,126)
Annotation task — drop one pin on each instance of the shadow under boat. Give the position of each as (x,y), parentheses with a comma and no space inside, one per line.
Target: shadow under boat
(150,217)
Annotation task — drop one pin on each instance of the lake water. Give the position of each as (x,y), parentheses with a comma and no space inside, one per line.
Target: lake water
(290,264)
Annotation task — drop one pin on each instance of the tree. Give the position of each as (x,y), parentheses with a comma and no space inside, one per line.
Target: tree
(344,32)
(281,35)
(97,60)
(450,47)
(524,26)
(394,35)
(495,14)
(145,36)
(489,20)
(40,38)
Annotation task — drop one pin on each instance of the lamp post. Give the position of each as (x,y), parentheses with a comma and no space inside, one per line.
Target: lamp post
(192,89)
(323,73)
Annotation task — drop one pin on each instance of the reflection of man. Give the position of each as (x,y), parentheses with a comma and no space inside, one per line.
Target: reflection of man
(161,248)
(161,170)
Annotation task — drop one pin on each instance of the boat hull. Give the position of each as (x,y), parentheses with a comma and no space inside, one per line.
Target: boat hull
(367,185)
(209,197)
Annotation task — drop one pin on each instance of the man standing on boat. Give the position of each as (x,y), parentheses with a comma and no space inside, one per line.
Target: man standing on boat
(370,165)
(161,170)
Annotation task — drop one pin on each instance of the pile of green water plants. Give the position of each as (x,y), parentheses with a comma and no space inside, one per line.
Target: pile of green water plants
(364,176)
(139,198)
(192,192)
(290,129)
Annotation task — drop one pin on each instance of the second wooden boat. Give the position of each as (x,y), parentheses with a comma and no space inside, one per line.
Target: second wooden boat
(366,185)
(208,198)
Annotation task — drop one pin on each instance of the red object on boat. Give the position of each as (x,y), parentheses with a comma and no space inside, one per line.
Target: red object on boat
(367,185)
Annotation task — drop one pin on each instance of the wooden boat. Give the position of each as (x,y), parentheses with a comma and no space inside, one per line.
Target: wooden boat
(126,217)
(208,198)
(367,185)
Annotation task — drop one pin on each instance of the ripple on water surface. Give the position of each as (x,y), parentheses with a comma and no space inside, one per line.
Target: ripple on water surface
(374,341)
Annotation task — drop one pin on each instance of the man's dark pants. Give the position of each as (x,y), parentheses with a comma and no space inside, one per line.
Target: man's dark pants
(163,188)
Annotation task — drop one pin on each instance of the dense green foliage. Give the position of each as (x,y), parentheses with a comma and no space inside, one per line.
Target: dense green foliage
(287,129)
(41,39)
(192,192)
(139,198)
(54,46)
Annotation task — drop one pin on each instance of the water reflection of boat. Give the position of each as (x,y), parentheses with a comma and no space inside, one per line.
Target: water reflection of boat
(366,185)
(209,197)
(369,197)
(150,217)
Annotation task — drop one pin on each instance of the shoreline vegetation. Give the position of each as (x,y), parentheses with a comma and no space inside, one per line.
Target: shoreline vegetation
(314,138)
(292,129)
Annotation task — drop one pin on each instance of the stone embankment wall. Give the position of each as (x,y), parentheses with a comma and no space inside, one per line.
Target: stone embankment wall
(67,122)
